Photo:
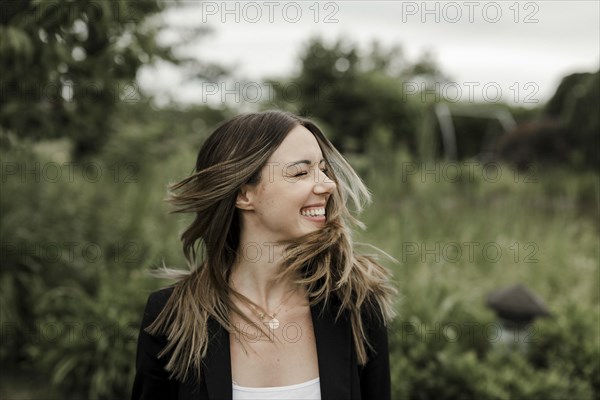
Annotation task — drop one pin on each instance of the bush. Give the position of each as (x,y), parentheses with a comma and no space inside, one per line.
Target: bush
(75,256)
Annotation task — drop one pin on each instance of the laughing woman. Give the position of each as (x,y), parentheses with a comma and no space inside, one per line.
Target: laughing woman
(278,303)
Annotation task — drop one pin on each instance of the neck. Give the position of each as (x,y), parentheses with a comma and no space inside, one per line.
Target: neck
(252,274)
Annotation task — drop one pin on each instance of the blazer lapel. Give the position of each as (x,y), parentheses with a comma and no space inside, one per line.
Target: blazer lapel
(217,364)
(334,341)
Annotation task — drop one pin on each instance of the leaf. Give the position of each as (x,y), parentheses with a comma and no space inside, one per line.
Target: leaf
(63,368)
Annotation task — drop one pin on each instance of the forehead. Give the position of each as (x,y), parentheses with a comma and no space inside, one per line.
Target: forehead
(299,144)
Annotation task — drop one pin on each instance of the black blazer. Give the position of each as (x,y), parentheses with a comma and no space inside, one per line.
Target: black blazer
(340,375)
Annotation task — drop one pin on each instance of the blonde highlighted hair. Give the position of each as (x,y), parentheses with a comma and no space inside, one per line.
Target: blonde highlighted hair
(325,262)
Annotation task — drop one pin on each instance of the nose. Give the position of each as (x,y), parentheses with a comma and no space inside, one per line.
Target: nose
(323,183)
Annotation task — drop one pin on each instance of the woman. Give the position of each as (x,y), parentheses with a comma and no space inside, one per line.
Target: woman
(278,304)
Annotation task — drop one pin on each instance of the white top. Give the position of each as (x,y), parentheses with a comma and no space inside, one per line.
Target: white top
(310,390)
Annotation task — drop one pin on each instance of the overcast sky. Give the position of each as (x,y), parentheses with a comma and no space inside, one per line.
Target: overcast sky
(505,50)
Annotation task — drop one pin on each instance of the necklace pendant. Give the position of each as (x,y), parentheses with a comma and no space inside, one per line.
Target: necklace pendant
(273,323)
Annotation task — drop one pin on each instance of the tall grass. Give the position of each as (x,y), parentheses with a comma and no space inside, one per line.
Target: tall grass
(461,230)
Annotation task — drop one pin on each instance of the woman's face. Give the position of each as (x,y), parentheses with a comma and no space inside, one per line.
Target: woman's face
(291,198)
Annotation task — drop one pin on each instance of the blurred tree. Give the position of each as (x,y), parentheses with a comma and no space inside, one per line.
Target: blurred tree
(65,66)
(576,103)
(567,131)
(360,97)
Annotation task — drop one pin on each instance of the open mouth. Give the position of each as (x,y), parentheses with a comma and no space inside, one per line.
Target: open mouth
(314,213)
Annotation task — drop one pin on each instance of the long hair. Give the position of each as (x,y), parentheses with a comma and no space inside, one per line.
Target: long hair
(325,262)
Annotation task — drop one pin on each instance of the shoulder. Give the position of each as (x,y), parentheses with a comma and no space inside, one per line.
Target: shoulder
(156,303)
(370,311)
(161,296)
(372,314)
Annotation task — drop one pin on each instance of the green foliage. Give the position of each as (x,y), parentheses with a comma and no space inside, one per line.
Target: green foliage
(578,354)
(66,66)
(75,256)
(358,96)
(87,340)
(444,344)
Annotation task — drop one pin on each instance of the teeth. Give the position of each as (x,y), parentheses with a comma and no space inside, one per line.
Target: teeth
(313,212)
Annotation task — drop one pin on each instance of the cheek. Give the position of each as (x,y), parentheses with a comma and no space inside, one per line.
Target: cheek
(285,198)
(273,200)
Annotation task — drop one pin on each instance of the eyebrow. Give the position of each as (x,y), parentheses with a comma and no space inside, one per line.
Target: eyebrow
(307,162)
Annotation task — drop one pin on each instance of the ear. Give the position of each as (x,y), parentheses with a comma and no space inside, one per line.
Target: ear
(244,198)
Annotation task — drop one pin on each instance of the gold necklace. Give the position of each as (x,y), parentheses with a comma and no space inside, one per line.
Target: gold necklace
(272,322)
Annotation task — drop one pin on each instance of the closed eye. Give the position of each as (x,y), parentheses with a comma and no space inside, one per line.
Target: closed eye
(324,170)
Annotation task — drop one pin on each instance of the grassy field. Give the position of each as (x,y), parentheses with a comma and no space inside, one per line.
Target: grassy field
(487,230)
